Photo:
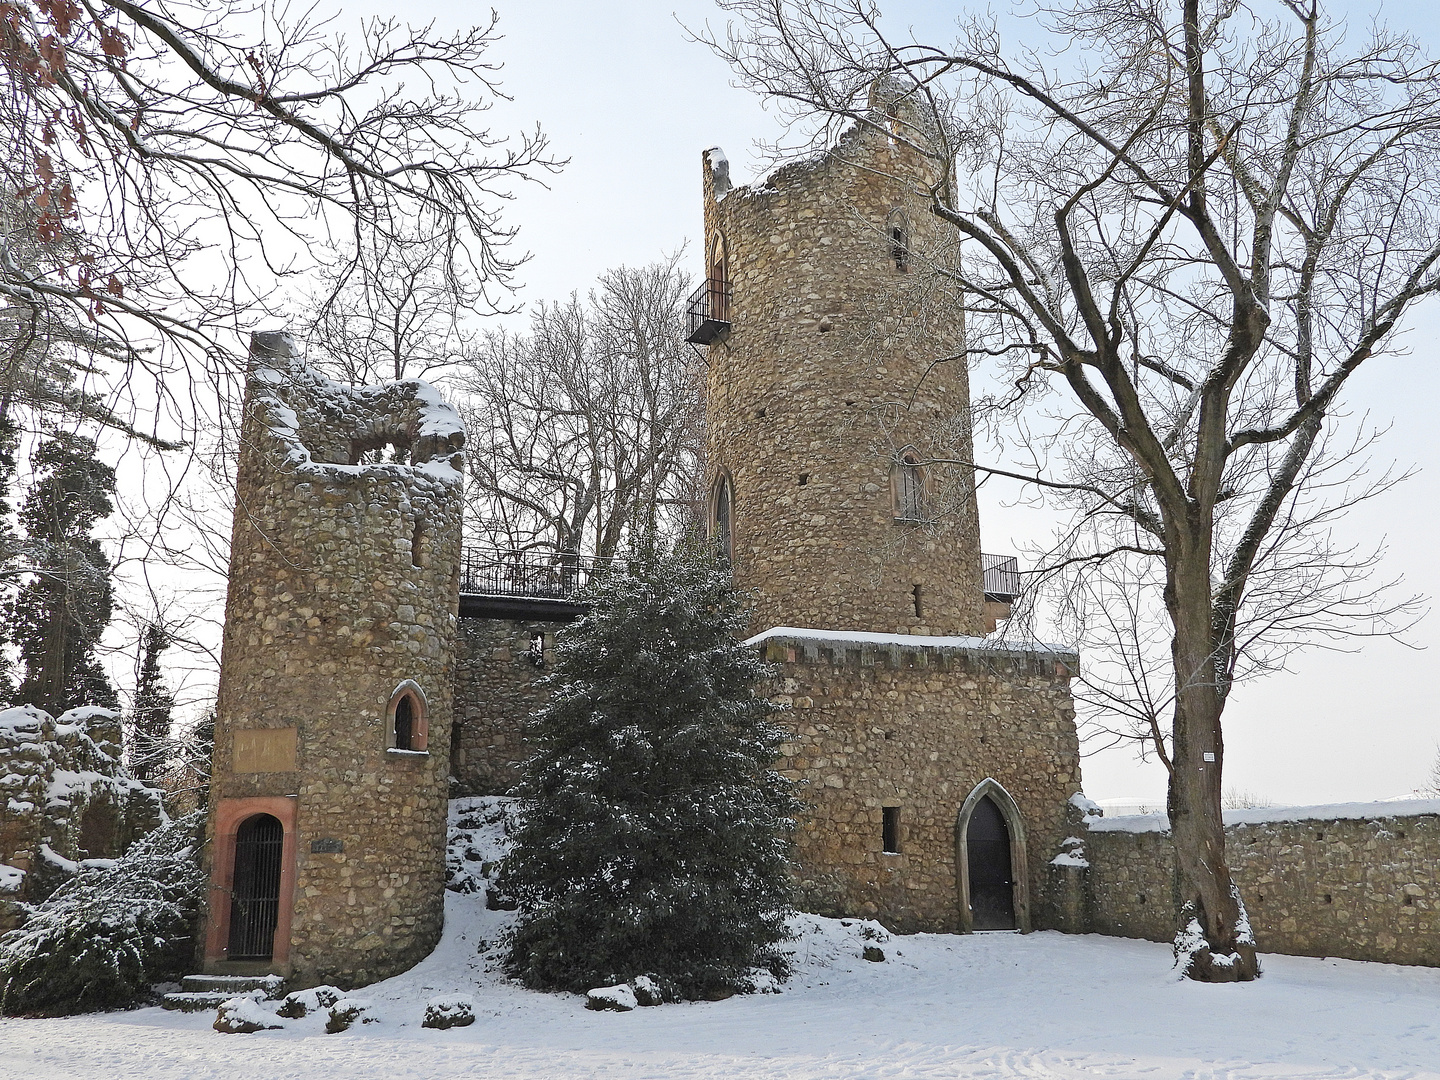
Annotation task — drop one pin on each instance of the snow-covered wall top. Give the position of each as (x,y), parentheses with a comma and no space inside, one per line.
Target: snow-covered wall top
(1355,811)
(324,426)
(858,638)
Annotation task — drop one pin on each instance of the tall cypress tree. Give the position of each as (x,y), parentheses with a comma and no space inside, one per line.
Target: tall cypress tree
(150,716)
(9,555)
(65,606)
(656,832)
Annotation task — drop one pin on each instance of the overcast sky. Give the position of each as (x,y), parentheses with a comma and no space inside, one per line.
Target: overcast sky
(632,103)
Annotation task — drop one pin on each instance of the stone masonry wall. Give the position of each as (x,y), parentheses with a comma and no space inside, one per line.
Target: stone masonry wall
(496,690)
(836,364)
(67,797)
(1355,882)
(343,584)
(918,726)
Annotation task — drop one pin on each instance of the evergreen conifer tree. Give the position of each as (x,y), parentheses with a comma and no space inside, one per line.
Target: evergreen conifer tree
(9,556)
(67,603)
(656,833)
(150,717)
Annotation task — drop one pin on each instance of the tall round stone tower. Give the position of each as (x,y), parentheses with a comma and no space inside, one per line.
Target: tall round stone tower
(333,722)
(837,392)
(936,763)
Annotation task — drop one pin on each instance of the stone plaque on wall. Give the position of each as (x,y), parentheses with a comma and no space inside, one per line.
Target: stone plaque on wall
(265,750)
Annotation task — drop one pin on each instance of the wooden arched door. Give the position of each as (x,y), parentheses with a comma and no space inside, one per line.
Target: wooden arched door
(992,877)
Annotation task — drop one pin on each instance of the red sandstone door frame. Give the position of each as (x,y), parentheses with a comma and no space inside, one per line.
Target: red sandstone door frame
(229,813)
(1019,867)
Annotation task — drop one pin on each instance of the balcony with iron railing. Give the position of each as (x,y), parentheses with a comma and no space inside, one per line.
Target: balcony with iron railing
(1001,574)
(707,312)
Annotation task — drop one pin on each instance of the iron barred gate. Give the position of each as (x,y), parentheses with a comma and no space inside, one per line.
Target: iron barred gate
(255,896)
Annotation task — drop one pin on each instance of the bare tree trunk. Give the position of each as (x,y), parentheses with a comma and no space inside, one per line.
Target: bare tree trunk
(1223,950)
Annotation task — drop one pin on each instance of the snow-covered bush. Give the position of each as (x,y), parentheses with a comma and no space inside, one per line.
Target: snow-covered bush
(111,932)
(655,832)
(448,1011)
(346,1011)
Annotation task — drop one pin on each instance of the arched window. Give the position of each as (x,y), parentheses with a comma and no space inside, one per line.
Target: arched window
(907,481)
(897,232)
(407,719)
(717,274)
(722,511)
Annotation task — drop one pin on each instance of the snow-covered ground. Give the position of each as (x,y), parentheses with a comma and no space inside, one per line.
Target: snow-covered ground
(1044,1005)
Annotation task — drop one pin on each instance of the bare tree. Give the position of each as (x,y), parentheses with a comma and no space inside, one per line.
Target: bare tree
(588,431)
(202,151)
(1193,240)
(1431,788)
(399,313)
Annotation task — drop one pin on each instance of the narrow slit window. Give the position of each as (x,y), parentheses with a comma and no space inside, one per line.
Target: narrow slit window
(417,542)
(909,491)
(890,830)
(919,602)
(897,230)
(722,536)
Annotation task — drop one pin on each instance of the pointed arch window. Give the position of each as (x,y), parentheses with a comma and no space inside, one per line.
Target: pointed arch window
(407,719)
(722,510)
(717,273)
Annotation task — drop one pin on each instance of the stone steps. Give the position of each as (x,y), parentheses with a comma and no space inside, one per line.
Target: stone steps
(198,992)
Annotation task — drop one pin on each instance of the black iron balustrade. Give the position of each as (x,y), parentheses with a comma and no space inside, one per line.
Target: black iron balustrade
(545,575)
(707,312)
(1002,577)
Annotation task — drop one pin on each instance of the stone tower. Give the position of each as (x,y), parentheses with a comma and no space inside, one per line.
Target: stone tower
(828,413)
(936,766)
(333,722)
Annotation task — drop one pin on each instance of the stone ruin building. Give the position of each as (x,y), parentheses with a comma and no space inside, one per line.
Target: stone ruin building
(364,669)
(332,733)
(371,669)
(68,798)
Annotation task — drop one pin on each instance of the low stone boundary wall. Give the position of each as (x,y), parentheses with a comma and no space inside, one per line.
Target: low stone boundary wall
(1355,880)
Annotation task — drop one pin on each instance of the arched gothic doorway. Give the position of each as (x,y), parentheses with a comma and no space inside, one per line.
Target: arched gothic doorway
(255,894)
(990,861)
(992,878)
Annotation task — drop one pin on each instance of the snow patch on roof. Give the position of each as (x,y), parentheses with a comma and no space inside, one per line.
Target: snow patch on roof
(911,641)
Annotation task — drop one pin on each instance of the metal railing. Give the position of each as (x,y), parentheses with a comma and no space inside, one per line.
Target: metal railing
(1002,577)
(707,312)
(551,575)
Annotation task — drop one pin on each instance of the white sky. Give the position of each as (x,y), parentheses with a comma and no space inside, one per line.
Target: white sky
(632,103)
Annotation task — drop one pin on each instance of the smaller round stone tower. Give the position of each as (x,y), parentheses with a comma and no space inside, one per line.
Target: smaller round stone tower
(333,721)
(838,392)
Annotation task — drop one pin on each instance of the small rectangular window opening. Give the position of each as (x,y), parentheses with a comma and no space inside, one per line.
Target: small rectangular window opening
(416,542)
(919,603)
(890,830)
